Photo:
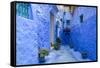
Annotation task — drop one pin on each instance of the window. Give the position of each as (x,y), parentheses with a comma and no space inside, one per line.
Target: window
(81,18)
(22,9)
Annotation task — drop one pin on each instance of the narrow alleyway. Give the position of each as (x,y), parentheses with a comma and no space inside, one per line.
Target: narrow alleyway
(40,27)
(65,54)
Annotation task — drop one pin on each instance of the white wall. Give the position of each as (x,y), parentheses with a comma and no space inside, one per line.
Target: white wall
(5,34)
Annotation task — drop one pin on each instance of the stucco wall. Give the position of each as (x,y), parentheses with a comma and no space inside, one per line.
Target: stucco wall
(26,41)
(83,35)
(33,34)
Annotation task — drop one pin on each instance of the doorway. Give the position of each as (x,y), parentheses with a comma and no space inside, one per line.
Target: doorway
(51,29)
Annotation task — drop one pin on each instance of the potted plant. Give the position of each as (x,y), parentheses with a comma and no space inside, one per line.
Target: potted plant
(58,40)
(56,45)
(84,54)
(42,54)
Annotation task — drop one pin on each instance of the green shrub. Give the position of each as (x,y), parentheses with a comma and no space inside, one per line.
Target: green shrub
(56,46)
(43,52)
(58,40)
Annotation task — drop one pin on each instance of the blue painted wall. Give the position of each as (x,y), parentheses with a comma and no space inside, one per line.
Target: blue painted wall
(26,41)
(83,35)
(33,33)
(41,13)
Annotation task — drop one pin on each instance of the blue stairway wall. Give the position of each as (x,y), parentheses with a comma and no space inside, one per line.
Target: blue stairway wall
(83,35)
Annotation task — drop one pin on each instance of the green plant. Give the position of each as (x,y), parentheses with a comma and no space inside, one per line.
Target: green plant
(58,40)
(56,45)
(43,52)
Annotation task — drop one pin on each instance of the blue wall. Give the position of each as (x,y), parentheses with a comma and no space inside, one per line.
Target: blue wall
(41,15)
(83,35)
(33,34)
(26,41)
